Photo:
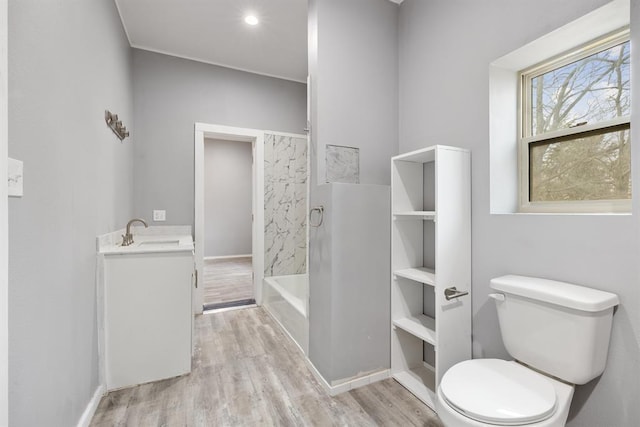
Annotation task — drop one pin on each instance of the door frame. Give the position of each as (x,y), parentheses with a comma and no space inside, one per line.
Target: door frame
(229,133)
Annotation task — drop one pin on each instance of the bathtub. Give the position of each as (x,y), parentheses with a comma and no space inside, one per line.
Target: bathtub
(286,298)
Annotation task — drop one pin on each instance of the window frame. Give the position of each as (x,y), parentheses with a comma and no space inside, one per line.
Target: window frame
(525,138)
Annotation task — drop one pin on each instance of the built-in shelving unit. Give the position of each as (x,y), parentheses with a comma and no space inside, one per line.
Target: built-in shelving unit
(418,274)
(423,327)
(431,251)
(426,215)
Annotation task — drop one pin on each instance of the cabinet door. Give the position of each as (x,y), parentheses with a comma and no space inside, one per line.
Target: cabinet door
(453,257)
(147,317)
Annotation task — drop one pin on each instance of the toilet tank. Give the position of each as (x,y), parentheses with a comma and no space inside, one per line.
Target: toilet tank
(558,328)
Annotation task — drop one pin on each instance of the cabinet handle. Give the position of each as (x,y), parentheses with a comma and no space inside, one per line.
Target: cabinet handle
(196,273)
(452,292)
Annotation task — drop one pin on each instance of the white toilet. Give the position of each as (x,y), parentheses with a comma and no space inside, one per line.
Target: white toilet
(557,333)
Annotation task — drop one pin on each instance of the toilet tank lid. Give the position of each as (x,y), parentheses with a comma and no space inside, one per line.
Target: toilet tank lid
(554,292)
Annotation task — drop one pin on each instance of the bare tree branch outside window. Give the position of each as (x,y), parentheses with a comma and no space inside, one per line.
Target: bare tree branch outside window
(594,166)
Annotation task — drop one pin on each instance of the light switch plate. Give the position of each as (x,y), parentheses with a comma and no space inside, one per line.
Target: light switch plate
(159,215)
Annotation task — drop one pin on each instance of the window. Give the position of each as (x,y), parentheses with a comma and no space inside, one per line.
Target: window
(574,130)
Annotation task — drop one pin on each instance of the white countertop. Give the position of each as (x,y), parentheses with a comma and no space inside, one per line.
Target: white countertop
(155,240)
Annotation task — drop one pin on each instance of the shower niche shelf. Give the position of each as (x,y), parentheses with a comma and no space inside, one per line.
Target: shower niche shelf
(428,256)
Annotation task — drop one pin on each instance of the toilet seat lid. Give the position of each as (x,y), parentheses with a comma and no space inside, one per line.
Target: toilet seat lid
(498,392)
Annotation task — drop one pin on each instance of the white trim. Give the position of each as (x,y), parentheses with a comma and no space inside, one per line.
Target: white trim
(285,330)
(202,131)
(210,258)
(217,64)
(576,53)
(596,207)
(604,20)
(579,130)
(90,410)
(205,130)
(341,386)
(318,376)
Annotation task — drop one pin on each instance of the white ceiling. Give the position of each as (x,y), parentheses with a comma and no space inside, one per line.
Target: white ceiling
(214,31)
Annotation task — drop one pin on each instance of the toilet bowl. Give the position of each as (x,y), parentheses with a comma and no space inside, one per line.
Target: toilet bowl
(494,392)
(559,335)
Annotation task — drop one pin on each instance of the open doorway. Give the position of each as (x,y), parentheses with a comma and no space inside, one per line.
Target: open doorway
(228,214)
(285,245)
(254,137)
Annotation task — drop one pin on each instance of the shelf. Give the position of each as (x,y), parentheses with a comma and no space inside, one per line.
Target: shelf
(425,215)
(421,326)
(423,155)
(418,274)
(430,239)
(426,155)
(421,382)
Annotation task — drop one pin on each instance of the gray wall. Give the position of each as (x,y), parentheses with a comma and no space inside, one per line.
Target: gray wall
(228,190)
(171,94)
(349,304)
(353,65)
(354,69)
(69,60)
(445,51)
(321,260)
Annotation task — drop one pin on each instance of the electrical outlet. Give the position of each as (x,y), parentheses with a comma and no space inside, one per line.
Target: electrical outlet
(159,215)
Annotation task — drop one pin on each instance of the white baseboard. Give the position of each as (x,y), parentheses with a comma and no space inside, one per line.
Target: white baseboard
(287,333)
(208,258)
(90,410)
(347,384)
(339,386)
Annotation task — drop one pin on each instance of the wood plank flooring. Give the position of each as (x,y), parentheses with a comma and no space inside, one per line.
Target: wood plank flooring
(227,280)
(246,372)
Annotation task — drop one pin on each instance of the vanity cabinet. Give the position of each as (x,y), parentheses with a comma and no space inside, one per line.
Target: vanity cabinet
(430,255)
(147,314)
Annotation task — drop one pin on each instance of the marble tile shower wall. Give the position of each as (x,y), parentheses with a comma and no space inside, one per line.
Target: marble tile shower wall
(285,205)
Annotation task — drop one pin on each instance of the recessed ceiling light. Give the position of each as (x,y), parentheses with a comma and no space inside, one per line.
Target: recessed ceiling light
(251,20)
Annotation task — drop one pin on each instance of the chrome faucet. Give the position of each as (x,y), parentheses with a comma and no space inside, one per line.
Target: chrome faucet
(127,239)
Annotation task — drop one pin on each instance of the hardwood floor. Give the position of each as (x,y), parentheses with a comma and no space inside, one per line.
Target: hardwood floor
(246,372)
(227,280)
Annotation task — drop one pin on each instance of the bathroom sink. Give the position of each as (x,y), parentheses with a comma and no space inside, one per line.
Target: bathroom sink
(151,243)
(156,241)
